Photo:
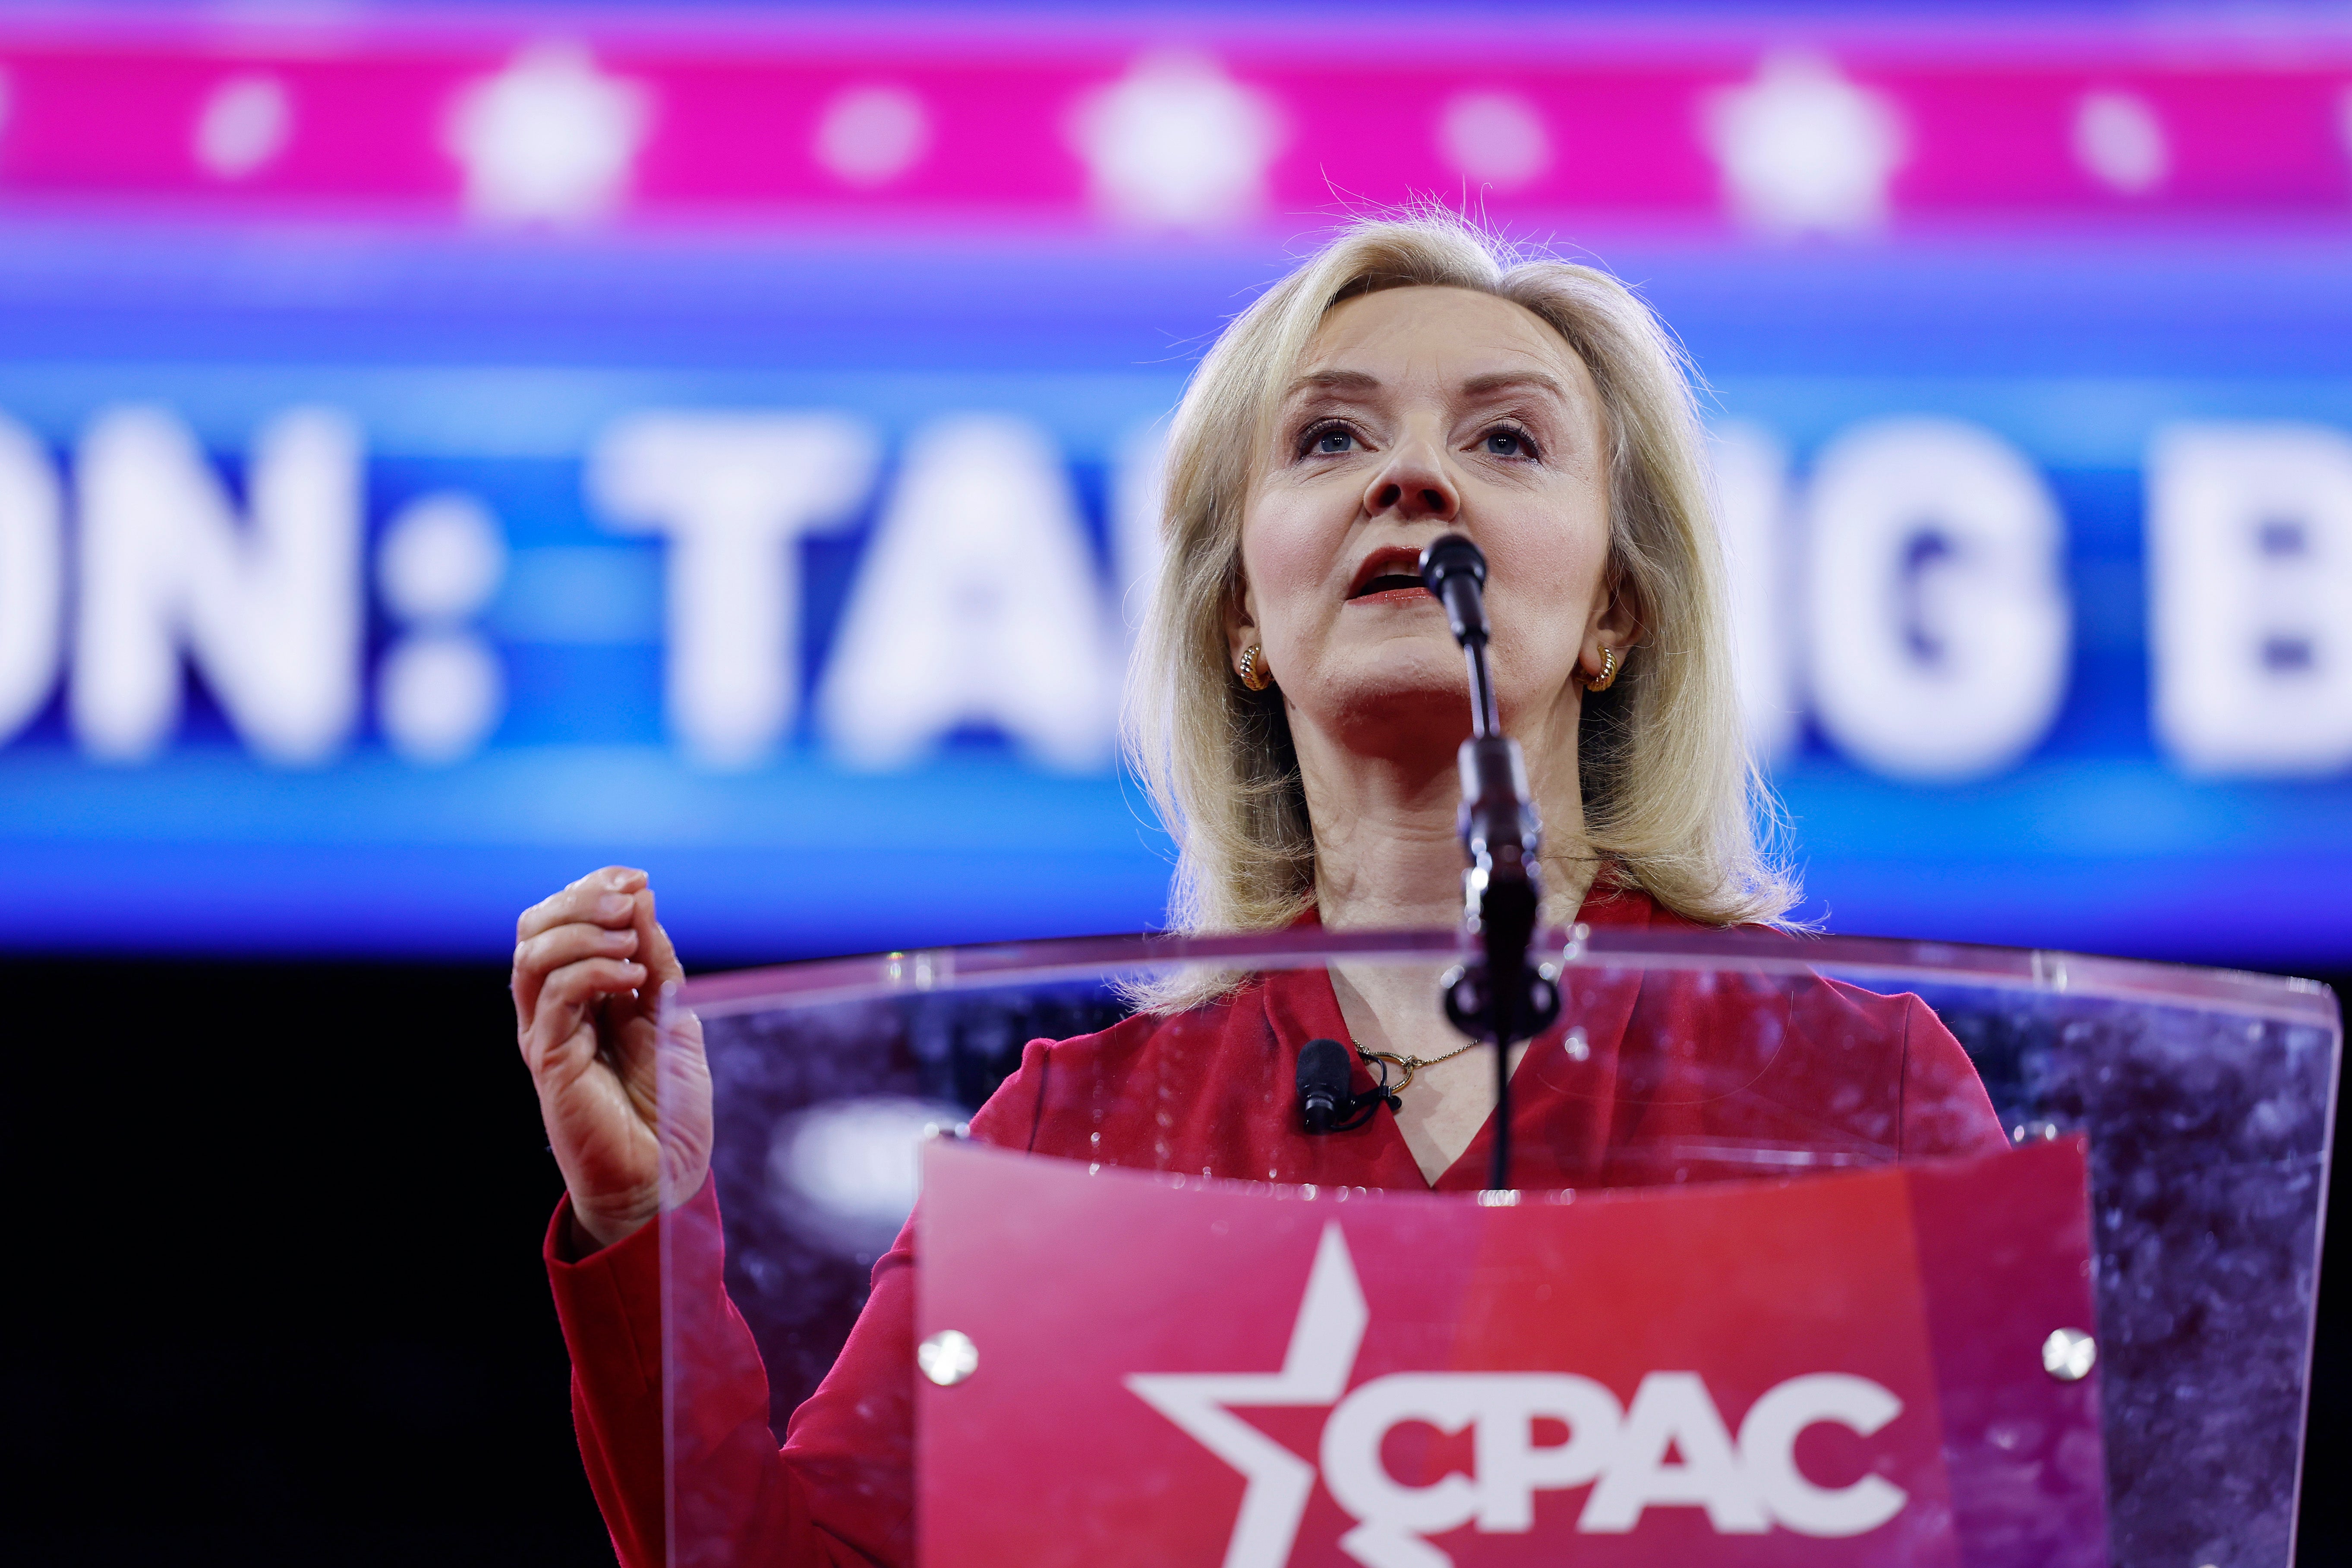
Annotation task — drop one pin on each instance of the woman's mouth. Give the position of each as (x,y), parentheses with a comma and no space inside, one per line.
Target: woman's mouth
(1387,573)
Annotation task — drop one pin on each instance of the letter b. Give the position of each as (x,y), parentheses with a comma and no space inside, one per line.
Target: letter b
(2250,581)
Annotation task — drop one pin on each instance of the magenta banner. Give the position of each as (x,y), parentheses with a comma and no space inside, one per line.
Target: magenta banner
(576,116)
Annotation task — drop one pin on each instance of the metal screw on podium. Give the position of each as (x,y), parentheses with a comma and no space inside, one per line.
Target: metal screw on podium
(2068,1355)
(947,1357)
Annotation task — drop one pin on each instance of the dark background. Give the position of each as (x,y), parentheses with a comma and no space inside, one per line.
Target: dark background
(281,1297)
(279,1291)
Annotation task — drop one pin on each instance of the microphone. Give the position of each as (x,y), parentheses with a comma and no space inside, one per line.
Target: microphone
(1325,1103)
(1454,571)
(1496,996)
(1322,1083)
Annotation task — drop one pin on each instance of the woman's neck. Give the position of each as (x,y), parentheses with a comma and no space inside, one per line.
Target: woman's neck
(1387,854)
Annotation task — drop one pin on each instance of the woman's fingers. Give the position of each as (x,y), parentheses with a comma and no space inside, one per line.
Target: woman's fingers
(654,947)
(590,963)
(605,897)
(567,1000)
(537,957)
(652,950)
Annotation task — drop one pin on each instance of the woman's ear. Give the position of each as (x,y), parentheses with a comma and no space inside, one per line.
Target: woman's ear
(1609,639)
(1241,623)
(1620,623)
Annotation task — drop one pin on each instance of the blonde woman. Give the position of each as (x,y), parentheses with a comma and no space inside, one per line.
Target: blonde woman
(1297,708)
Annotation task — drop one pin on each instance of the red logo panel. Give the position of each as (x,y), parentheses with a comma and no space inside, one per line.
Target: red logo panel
(1178,1371)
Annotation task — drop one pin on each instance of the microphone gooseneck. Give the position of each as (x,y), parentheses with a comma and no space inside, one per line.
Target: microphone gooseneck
(1495,996)
(1455,570)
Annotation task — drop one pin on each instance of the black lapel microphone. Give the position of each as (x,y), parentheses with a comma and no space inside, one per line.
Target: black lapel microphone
(1325,1103)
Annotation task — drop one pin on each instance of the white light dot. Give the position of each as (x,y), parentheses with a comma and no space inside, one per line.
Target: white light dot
(870,136)
(550,138)
(947,1357)
(844,1175)
(441,559)
(438,696)
(2119,139)
(244,125)
(1803,148)
(1495,138)
(1177,143)
(2068,1355)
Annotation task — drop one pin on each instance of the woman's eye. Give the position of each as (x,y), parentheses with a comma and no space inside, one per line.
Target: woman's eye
(1505,443)
(1331,440)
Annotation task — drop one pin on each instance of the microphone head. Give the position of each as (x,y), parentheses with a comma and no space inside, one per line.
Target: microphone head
(1454,571)
(1322,1082)
(1448,556)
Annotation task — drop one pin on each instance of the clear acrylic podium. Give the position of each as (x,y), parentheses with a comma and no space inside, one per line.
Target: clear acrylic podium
(2195,1104)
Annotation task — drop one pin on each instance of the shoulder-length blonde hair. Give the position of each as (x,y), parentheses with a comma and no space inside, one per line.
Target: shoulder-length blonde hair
(1672,800)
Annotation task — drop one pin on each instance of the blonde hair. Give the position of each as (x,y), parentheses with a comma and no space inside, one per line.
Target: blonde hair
(1673,799)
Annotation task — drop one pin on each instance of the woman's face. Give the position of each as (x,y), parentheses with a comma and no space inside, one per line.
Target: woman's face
(1419,412)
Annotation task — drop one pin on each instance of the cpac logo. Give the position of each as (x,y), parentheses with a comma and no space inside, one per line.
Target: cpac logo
(1747,1485)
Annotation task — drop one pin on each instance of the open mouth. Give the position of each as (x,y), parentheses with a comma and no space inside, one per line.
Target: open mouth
(1394,569)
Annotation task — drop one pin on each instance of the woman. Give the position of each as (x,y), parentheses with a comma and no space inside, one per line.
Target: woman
(1298,706)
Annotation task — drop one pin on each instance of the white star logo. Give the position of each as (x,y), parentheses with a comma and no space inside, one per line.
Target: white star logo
(1495,138)
(245,124)
(869,136)
(1177,143)
(1331,1319)
(549,138)
(1671,1448)
(2118,139)
(1803,148)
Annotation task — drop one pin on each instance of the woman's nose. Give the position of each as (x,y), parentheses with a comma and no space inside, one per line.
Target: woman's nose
(1414,486)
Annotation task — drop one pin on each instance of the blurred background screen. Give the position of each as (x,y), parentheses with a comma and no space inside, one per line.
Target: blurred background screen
(444,450)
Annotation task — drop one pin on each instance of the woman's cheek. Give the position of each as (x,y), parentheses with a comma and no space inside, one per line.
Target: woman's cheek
(1551,566)
(1544,589)
(1288,551)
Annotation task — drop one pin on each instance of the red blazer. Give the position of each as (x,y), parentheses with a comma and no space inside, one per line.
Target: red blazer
(1665,1077)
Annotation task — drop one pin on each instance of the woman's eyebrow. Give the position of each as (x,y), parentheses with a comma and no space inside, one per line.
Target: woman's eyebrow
(1514,381)
(1333,381)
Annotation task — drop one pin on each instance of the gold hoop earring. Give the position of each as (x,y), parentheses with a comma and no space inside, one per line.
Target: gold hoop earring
(1253,672)
(1608,675)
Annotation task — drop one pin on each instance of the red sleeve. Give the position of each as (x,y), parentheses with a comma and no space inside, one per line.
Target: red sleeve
(841,1491)
(609,1306)
(1945,1110)
(736,1500)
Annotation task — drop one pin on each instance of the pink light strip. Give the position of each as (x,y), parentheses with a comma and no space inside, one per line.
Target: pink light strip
(1097,129)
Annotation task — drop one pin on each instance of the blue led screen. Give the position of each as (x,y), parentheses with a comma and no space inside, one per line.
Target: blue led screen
(421,518)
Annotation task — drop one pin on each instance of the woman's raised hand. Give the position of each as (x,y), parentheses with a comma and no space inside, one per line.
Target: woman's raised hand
(589,966)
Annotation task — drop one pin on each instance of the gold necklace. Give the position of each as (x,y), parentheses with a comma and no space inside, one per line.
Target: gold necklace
(1409,1065)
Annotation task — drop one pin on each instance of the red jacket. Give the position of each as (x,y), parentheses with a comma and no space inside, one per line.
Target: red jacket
(1665,1077)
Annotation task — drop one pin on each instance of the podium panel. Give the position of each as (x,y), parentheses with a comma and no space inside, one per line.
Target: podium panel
(1690,1077)
(1843,1369)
